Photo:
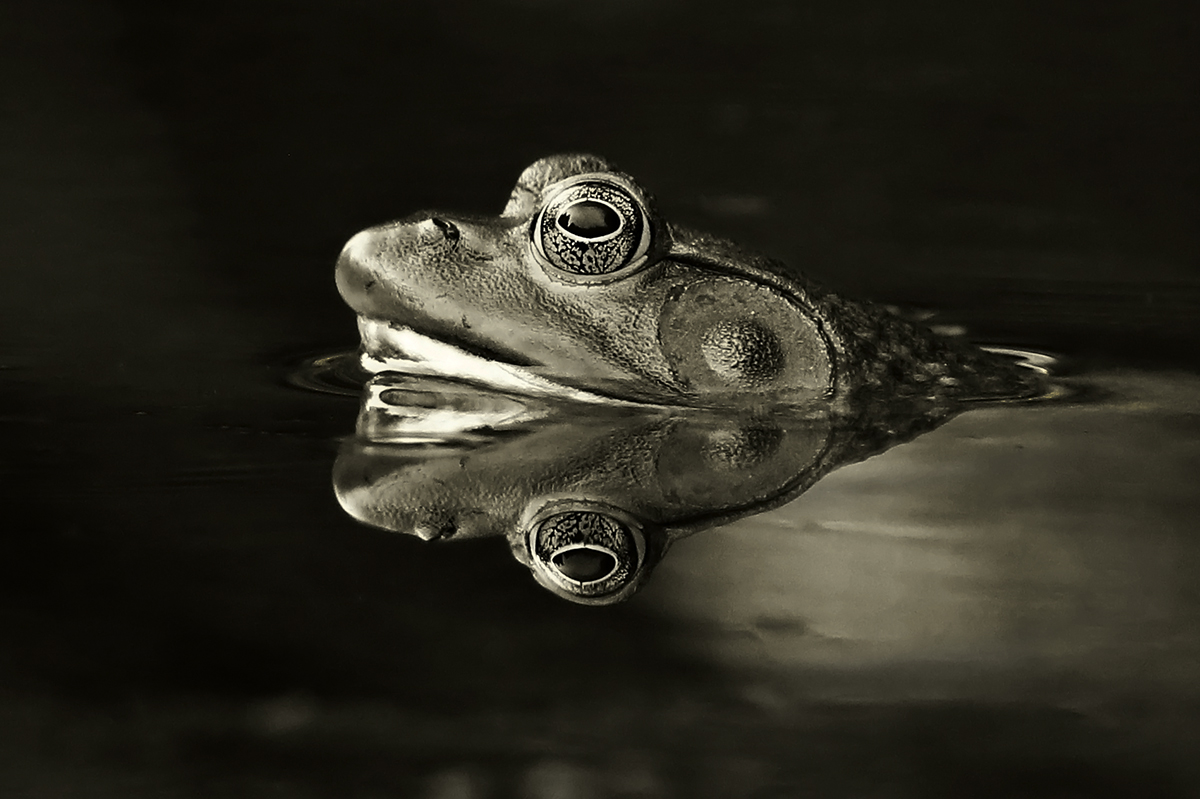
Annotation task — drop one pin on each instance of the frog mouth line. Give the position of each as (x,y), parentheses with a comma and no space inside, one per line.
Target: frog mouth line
(390,347)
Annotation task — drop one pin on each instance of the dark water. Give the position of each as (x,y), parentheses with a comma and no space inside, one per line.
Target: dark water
(1006,606)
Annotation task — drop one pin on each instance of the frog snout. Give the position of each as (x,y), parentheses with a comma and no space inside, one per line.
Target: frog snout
(375,263)
(357,270)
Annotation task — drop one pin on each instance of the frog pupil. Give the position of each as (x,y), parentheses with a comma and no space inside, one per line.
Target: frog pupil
(589,219)
(585,565)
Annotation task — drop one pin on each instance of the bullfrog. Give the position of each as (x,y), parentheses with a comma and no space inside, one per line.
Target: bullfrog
(581,289)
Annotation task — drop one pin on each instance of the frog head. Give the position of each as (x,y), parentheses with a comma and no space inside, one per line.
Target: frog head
(580,288)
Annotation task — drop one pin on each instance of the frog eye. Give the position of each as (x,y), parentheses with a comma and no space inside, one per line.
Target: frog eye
(585,554)
(591,229)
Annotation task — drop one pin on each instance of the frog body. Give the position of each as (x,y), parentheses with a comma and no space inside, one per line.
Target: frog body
(580,289)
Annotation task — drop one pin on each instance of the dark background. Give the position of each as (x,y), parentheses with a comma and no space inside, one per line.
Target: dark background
(973,159)
(185,611)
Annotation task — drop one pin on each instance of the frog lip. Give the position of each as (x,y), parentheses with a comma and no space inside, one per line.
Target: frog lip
(466,344)
(392,347)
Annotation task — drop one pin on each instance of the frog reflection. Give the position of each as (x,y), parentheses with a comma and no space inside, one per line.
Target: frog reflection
(581,289)
(589,503)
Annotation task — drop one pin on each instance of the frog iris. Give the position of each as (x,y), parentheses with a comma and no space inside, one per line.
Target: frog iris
(590,229)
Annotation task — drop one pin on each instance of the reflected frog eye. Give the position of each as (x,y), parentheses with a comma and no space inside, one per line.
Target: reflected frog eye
(584,553)
(590,229)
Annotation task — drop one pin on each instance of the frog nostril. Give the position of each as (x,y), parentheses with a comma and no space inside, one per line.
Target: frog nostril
(435,530)
(448,229)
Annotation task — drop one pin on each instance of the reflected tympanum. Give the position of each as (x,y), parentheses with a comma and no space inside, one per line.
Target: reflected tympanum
(589,502)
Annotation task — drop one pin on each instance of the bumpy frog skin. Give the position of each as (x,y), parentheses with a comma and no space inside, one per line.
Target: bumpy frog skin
(581,289)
